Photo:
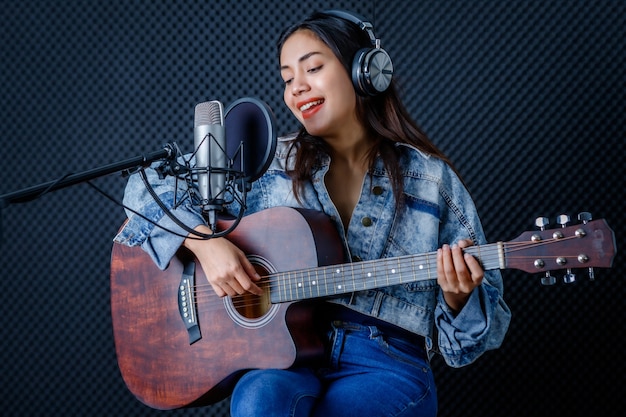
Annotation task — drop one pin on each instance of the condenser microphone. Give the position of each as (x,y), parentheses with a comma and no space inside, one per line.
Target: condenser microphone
(209,137)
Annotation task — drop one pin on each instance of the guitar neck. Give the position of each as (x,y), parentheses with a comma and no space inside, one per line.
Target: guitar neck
(591,244)
(345,278)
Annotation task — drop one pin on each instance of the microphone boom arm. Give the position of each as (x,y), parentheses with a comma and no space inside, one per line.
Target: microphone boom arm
(33,192)
(30,193)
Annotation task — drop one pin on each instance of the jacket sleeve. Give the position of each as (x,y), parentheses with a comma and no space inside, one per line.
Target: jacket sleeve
(483,322)
(148,225)
(480,326)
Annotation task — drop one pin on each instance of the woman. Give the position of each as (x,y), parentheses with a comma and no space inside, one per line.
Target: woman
(359,158)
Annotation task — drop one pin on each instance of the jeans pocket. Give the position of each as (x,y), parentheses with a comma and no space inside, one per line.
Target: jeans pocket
(405,351)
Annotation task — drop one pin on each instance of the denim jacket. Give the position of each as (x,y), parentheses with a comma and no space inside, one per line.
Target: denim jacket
(437,210)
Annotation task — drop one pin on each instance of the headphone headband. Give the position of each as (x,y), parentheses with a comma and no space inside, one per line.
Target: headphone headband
(357,20)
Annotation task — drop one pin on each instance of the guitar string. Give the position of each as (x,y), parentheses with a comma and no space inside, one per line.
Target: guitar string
(240,301)
(338,281)
(243,301)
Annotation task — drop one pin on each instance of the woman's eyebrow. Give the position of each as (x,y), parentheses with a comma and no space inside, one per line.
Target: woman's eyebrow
(302,58)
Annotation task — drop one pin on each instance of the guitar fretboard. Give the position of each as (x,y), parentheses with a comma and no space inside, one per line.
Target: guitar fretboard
(344,278)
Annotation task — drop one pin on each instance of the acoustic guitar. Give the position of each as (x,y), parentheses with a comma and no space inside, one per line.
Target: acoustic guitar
(180,345)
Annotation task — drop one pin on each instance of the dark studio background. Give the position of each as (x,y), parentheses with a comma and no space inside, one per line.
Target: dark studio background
(527,97)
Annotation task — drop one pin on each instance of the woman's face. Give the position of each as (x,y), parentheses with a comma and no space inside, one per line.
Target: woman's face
(318,89)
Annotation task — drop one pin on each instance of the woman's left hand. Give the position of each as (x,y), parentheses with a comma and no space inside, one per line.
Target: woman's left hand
(458,273)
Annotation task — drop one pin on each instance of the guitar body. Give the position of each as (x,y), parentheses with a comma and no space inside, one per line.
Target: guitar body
(160,365)
(179,345)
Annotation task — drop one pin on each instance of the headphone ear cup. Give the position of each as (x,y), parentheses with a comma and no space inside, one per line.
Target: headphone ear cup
(372,71)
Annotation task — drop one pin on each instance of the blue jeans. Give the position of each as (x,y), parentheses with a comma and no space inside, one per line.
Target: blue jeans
(367,374)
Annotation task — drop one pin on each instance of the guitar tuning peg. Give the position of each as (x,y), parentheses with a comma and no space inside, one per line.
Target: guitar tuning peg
(592,275)
(542,222)
(548,279)
(563,220)
(569,277)
(586,217)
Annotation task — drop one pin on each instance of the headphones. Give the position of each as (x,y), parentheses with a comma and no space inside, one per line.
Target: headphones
(372,69)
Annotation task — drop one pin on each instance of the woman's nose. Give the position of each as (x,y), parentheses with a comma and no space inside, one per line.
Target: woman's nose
(299,86)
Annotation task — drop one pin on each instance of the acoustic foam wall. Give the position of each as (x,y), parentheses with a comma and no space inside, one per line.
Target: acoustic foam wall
(527,98)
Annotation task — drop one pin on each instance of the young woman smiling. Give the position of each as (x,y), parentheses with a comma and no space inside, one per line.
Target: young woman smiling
(361,159)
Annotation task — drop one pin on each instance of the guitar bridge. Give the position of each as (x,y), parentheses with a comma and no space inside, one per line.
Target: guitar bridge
(187,305)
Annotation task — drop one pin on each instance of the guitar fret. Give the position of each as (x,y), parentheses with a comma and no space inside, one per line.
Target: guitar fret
(298,287)
(387,270)
(338,288)
(292,288)
(368,274)
(294,285)
(325,282)
(397,271)
(287,279)
(303,285)
(314,284)
(490,255)
(373,273)
(425,266)
(352,275)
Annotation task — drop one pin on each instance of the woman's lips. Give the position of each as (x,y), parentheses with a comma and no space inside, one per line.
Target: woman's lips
(310,107)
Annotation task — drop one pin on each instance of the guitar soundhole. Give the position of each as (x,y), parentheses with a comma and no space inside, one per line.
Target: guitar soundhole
(250,310)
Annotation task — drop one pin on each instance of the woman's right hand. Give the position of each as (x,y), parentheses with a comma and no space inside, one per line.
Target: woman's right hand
(226,267)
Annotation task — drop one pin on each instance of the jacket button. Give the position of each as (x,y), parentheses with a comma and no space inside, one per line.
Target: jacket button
(377,190)
(366,221)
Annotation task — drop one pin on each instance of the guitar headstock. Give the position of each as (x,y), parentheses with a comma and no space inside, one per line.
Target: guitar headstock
(590,244)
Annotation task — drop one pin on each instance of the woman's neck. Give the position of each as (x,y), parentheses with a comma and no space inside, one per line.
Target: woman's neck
(350,148)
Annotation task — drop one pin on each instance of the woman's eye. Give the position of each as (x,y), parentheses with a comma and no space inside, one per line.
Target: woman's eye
(287,82)
(315,69)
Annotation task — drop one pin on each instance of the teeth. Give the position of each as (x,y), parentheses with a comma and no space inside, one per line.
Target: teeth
(311,104)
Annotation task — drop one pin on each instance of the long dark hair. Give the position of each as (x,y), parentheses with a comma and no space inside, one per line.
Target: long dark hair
(384,116)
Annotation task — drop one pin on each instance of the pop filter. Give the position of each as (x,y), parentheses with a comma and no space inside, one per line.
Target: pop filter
(250,136)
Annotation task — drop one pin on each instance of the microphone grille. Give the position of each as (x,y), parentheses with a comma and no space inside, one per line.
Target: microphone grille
(209,113)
